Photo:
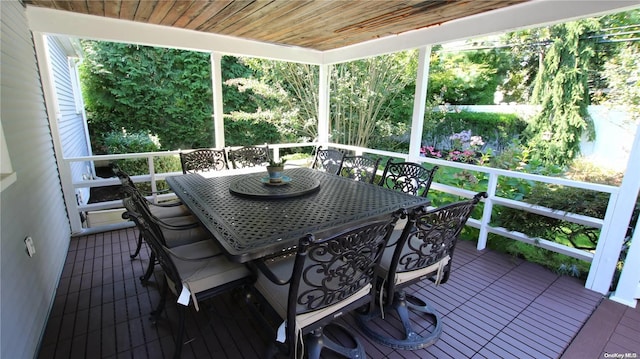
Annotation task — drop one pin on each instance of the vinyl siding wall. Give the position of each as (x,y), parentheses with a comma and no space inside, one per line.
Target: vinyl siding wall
(70,121)
(33,205)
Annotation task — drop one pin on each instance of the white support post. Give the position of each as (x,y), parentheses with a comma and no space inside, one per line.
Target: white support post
(616,222)
(323,104)
(218,110)
(628,290)
(419,101)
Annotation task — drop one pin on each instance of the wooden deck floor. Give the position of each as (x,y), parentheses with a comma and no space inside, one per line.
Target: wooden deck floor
(493,306)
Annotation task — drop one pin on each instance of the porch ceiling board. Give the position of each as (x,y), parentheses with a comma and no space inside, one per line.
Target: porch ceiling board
(318,25)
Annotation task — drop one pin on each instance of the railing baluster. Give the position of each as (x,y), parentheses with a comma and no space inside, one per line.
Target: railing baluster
(486,212)
(152,173)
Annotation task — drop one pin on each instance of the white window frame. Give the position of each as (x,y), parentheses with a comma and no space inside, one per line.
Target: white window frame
(7,176)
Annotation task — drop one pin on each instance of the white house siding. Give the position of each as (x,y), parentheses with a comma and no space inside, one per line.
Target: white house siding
(33,205)
(70,121)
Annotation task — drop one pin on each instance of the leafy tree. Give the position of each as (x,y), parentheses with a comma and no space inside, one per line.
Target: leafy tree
(623,75)
(286,94)
(621,70)
(526,48)
(232,68)
(561,88)
(616,40)
(467,77)
(367,96)
(363,94)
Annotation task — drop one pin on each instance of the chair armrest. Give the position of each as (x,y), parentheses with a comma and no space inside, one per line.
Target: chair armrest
(268,273)
(171,227)
(192,259)
(165,204)
(149,193)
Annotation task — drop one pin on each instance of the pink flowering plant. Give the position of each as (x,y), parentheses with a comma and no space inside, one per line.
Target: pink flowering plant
(430,151)
(464,148)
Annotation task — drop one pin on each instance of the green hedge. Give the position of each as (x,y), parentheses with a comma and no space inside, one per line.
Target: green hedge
(122,142)
(247,132)
(497,129)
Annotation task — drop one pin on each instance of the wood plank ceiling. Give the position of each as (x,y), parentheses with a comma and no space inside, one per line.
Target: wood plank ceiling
(314,24)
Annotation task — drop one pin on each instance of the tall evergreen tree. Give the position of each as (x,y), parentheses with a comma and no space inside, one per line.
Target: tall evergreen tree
(561,88)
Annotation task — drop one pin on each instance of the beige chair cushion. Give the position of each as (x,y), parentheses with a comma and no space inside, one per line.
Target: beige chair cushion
(385,261)
(403,277)
(200,275)
(201,249)
(180,237)
(277,295)
(170,211)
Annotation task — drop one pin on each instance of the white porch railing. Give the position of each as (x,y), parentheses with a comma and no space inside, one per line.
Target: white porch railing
(482,224)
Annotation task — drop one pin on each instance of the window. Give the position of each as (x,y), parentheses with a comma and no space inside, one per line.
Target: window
(7,176)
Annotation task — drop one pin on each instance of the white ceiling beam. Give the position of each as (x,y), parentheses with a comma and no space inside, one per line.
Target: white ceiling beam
(533,13)
(100,28)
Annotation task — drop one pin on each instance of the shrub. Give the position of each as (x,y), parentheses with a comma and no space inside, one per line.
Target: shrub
(569,199)
(118,142)
(250,131)
(497,129)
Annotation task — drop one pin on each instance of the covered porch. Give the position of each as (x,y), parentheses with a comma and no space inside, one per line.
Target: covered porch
(493,306)
(92,303)
(395,29)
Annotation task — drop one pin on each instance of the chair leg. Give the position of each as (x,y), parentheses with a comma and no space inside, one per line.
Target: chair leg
(147,274)
(180,334)
(257,307)
(316,341)
(403,305)
(155,314)
(138,246)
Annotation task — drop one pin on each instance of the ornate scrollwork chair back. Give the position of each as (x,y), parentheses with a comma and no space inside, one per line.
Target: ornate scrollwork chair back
(328,160)
(408,177)
(173,211)
(430,238)
(330,274)
(359,168)
(204,160)
(249,156)
(424,250)
(193,272)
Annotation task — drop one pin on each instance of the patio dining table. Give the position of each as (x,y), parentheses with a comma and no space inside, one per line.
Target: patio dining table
(252,218)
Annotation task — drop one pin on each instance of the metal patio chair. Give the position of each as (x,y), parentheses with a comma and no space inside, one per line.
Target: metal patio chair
(408,177)
(204,160)
(167,210)
(328,160)
(329,275)
(424,250)
(193,272)
(177,231)
(249,156)
(359,168)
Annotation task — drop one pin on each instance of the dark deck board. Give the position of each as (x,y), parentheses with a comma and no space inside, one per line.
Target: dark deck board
(532,341)
(603,331)
(493,306)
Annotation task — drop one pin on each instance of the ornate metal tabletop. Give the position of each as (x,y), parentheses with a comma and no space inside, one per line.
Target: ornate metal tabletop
(254,227)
